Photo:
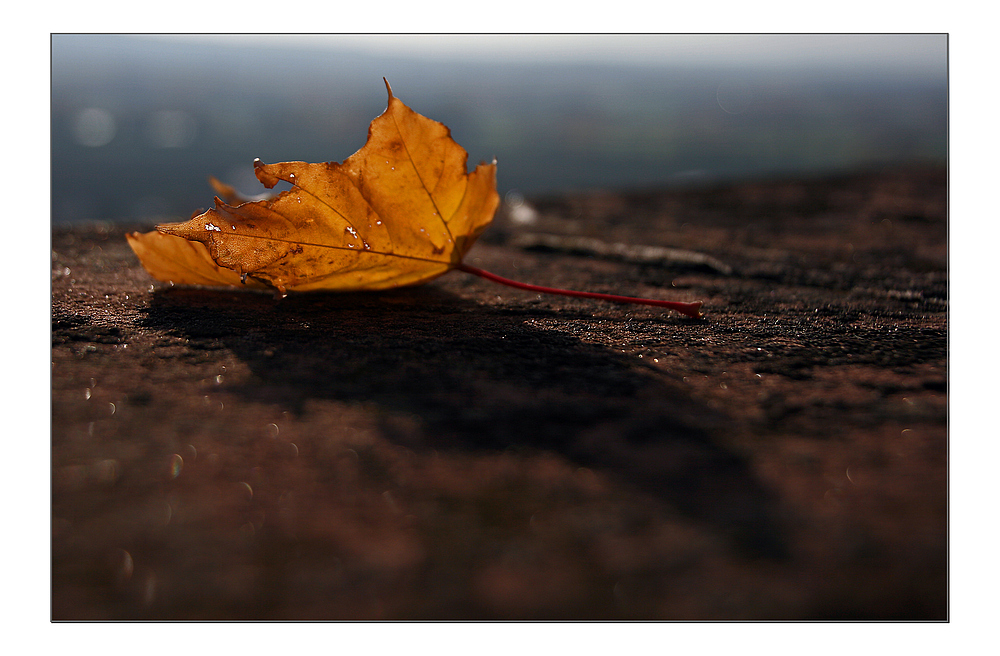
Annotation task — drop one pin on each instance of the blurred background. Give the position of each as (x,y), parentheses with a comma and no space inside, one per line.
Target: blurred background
(138,122)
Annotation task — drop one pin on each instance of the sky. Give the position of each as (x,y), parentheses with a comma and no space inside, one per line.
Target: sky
(911,52)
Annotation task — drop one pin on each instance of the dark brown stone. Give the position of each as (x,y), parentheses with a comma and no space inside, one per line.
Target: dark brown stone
(464,450)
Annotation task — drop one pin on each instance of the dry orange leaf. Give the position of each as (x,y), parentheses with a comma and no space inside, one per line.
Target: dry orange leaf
(401,211)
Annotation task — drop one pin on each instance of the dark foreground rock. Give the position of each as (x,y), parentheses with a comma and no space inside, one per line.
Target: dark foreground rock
(463,450)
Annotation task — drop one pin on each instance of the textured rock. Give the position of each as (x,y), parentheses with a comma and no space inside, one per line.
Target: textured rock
(463,450)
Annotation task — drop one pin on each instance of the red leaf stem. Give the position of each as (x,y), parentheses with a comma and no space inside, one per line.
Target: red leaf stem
(692,310)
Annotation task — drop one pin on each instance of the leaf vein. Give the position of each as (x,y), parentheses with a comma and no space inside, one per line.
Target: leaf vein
(353,183)
(360,251)
(422,183)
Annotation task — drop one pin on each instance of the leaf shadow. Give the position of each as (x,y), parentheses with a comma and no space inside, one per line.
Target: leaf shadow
(481,378)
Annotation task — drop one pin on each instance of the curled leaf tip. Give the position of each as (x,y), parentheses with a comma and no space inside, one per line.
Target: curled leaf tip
(265,178)
(387,87)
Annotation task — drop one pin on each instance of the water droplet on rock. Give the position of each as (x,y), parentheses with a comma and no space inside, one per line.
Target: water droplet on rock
(176,464)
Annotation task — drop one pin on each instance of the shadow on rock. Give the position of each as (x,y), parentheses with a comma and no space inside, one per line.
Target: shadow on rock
(480,378)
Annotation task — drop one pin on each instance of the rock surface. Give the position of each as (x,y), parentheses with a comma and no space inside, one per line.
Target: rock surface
(464,450)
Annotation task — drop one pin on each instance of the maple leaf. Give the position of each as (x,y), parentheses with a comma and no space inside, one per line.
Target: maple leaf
(402,210)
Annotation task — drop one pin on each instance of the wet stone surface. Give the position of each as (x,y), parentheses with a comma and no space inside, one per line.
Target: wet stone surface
(464,450)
